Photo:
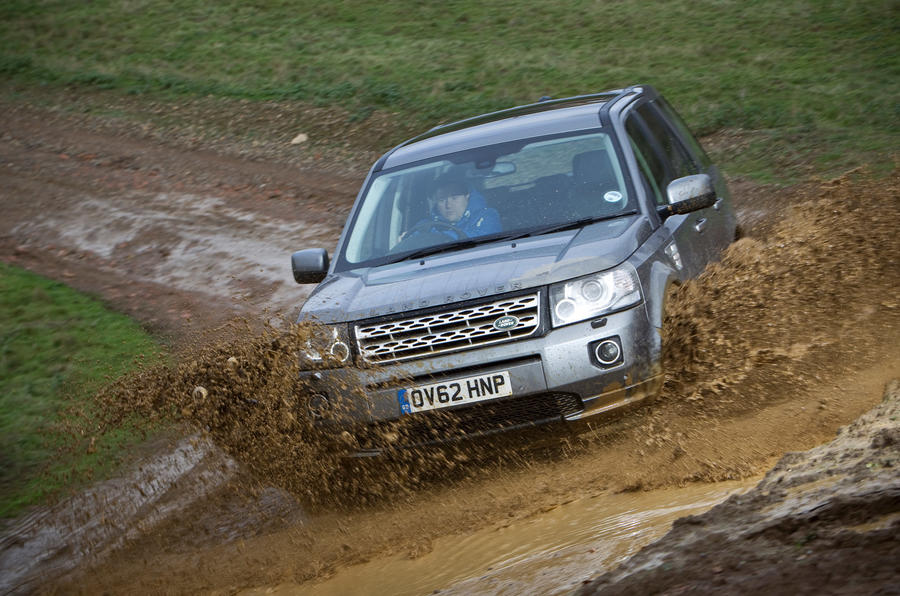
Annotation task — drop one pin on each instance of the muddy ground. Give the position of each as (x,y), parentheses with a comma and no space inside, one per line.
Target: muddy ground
(824,521)
(792,336)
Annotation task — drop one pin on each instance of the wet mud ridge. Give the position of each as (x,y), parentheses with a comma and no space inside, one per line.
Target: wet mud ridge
(86,528)
(825,521)
(51,541)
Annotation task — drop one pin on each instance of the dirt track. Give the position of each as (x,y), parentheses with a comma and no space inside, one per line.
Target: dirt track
(180,239)
(793,336)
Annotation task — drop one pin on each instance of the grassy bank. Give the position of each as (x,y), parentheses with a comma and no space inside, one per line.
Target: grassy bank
(804,81)
(55,346)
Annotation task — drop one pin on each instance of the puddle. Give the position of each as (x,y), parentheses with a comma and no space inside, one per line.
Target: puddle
(542,555)
(189,242)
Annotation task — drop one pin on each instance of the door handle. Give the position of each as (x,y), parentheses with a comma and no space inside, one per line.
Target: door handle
(700,225)
(718,204)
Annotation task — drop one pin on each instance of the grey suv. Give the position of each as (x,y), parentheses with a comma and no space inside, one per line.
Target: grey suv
(510,270)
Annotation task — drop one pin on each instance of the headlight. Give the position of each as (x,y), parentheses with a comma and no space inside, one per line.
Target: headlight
(593,295)
(327,346)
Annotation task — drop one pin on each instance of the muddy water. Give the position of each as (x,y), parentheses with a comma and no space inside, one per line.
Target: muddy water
(549,554)
(188,242)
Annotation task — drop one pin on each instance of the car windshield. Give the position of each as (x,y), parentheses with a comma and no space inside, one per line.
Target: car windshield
(486,194)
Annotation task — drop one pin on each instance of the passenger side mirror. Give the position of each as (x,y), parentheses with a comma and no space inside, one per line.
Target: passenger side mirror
(310,265)
(687,194)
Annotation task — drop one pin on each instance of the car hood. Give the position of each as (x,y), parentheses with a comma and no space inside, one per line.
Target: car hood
(476,272)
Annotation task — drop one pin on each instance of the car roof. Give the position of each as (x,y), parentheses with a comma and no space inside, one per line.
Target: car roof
(569,114)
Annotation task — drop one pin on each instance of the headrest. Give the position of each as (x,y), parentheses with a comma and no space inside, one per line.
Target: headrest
(593,167)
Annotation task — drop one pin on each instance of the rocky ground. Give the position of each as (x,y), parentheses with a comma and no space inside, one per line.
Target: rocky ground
(184,232)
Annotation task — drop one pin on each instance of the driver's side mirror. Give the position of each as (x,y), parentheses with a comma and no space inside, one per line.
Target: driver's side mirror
(687,194)
(310,265)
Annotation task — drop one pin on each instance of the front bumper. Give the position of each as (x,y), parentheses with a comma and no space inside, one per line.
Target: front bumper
(553,378)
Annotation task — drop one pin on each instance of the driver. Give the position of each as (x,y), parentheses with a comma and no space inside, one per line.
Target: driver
(463,208)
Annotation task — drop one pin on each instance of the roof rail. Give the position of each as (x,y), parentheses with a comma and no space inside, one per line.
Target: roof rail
(540,106)
(604,109)
(530,108)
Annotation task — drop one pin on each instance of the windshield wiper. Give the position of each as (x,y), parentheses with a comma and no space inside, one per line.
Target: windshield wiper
(566,225)
(431,250)
(469,242)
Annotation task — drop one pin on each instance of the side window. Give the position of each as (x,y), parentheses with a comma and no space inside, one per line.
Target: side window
(646,175)
(676,155)
(652,169)
(673,117)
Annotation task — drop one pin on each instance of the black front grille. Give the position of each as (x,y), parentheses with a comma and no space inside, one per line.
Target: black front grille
(440,426)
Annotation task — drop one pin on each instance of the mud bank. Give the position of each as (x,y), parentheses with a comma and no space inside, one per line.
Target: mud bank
(824,521)
(52,540)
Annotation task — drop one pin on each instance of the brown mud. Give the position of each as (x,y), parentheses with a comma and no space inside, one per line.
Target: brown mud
(791,336)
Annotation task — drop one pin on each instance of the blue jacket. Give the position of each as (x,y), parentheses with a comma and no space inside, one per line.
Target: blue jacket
(478,219)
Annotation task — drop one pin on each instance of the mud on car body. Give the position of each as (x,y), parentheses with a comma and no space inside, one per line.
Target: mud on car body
(604,201)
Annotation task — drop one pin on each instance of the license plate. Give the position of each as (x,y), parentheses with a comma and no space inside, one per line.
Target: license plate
(454,393)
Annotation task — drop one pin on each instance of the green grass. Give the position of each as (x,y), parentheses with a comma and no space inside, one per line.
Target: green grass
(819,74)
(56,345)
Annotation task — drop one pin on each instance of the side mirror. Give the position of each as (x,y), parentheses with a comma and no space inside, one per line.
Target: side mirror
(687,194)
(310,265)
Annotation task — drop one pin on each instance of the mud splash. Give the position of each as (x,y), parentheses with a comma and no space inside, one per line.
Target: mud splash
(767,320)
(753,349)
(244,395)
(777,312)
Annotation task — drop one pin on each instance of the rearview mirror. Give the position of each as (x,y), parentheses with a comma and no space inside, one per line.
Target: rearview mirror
(310,265)
(502,168)
(687,194)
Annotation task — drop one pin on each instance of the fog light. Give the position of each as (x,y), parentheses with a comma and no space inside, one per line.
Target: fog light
(608,352)
(318,405)
(340,350)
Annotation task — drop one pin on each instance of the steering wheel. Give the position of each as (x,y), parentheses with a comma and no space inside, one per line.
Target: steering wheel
(426,225)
